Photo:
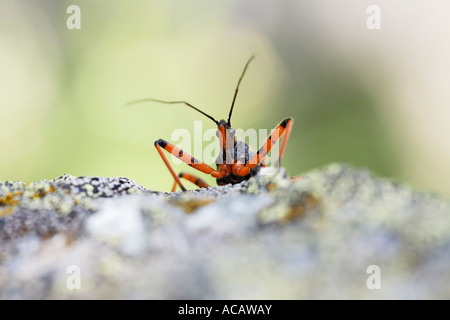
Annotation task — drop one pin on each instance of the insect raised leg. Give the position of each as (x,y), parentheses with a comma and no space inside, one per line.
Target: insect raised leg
(285,139)
(186,158)
(283,128)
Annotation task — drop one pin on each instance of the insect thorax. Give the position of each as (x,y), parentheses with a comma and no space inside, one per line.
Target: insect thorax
(241,153)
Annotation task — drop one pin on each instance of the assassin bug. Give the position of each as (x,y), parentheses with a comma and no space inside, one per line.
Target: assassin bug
(235,162)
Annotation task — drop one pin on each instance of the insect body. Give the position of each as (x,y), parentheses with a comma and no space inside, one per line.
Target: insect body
(236,162)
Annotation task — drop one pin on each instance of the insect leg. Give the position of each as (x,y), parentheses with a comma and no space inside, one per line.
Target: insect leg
(194,179)
(174,186)
(174,175)
(283,128)
(190,177)
(186,158)
(285,139)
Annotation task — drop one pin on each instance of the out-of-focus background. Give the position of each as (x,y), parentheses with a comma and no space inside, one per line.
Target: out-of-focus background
(373,98)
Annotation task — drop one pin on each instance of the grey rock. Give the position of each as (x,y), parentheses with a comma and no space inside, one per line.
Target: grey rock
(325,236)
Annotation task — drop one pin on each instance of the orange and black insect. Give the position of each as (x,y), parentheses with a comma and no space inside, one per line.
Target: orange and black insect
(235,162)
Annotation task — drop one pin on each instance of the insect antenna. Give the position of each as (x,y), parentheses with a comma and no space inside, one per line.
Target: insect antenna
(237,88)
(175,102)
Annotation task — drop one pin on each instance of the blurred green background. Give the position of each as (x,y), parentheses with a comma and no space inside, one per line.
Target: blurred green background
(372,98)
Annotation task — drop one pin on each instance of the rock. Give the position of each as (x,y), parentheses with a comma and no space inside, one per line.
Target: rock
(337,233)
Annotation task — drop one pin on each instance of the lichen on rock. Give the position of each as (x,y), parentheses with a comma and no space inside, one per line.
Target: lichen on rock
(270,237)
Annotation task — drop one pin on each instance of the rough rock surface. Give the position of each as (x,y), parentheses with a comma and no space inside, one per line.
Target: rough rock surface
(267,238)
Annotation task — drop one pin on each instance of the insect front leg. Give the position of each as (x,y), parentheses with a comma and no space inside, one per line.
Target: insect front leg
(186,158)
